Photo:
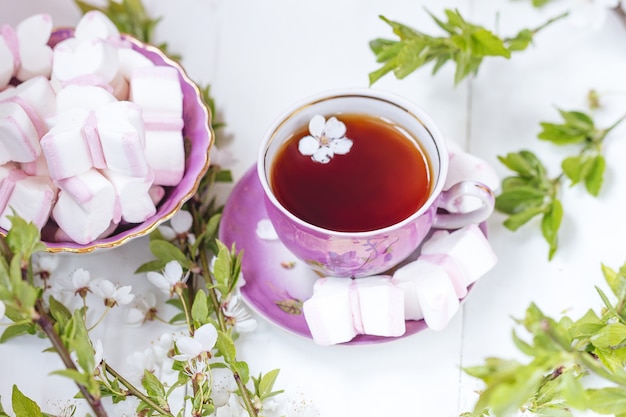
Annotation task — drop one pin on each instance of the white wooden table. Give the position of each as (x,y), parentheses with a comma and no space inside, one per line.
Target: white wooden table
(260,56)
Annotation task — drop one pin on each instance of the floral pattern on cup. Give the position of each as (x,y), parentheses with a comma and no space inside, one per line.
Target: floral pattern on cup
(327,138)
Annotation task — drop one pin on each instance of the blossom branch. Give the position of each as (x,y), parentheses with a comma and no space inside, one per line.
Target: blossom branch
(47,326)
(134,391)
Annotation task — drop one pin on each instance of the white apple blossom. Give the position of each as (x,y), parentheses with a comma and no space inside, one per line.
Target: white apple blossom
(144,309)
(112,294)
(233,408)
(171,278)
(201,343)
(237,315)
(178,227)
(2,310)
(326,139)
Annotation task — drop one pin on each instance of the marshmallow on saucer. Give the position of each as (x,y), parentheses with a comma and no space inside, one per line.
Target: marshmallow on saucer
(468,247)
(88,97)
(37,97)
(32,199)
(7,67)
(89,60)
(341,308)
(85,207)
(19,141)
(428,293)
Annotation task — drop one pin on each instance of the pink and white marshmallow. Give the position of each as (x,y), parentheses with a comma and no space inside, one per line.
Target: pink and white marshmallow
(19,140)
(85,207)
(32,198)
(134,201)
(37,97)
(342,308)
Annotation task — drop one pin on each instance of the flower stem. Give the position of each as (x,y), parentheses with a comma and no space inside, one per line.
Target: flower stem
(104,313)
(243,391)
(134,391)
(180,294)
(45,323)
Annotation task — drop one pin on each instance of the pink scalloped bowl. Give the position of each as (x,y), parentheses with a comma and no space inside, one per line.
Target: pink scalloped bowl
(198,136)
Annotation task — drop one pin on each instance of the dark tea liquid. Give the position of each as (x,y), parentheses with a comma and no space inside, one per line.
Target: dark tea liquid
(384,178)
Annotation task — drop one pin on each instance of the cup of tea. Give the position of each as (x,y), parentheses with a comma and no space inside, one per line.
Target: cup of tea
(353,181)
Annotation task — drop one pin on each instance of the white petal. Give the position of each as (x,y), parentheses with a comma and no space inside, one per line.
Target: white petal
(335,129)
(323,155)
(123,296)
(341,146)
(159,281)
(173,272)
(2,310)
(105,288)
(206,335)
(188,348)
(316,126)
(308,145)
(182,221)
(167,232)
(134,317)
(80,278)
(265,230)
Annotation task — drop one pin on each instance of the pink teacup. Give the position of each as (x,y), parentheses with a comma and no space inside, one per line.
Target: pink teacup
(350,252)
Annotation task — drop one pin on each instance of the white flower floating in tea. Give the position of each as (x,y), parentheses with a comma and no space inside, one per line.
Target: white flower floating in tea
(327,138)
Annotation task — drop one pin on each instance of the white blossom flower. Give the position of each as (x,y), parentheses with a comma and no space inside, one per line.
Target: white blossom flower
(197,370)
(112,294)
(590,14)
(223,384)
(326,139)
(178,227)
(222,158)
(202,342)
(162,347)
(138,363)
(171,278)
(2,310)
(44,264)
(238,316)
(265,230)
(233,408)
(145,309)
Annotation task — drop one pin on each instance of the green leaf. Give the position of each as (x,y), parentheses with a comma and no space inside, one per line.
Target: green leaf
(167,251)
(154,388)
(226,346)
(485,43)
(616,281)
(521,41)
(519,199)
(611,336)
(200,308)
(611,400)
(266,384)
(76,376)
(58,311)
(572,167)
(595,176)
(23,238)
(525,163)
(586,326)
(24,406)
(573,391)
(242,369)
(15,330)
(550,225)
(155,265)
(515,221)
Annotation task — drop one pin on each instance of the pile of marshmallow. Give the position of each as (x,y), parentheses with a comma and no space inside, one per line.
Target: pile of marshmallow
(91,130)
(429,288)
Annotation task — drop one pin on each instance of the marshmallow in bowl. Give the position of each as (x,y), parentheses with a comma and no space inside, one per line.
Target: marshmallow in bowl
(74,125)
(32,197)
(341,308)
(35,56)
(64,145)
(19,141)
(85,207)
(133,196)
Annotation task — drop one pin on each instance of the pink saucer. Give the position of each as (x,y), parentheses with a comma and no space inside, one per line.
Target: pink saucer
(277,283)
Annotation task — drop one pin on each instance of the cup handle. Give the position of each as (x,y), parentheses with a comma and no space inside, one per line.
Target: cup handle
(452,199)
